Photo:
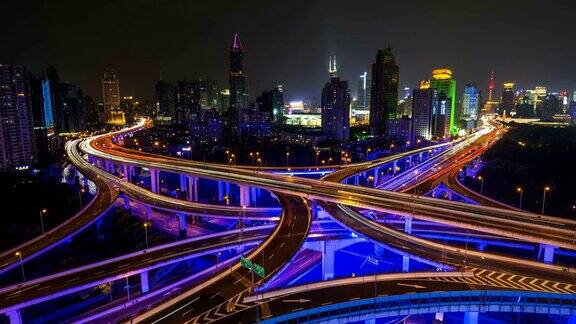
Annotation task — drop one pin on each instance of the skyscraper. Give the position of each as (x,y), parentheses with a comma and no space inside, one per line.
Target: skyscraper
(443,82)
(384,91)
(165,103)
(336,107)
(364,91)
(441,116)
(237,80)
(17,146)
(470,102)
(208,93)
(187,102)
(423,102)
(111,95)
(507,102)
(70,107)
(273,102)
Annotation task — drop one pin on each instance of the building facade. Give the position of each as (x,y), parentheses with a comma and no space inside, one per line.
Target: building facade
(443,82)
(336,107)
(110,94)
(384,91)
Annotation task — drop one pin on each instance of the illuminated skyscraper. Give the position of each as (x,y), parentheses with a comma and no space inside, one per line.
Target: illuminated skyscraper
(364,91)
(336,107)
(441,116)
(111,96)
(165,102)
(443,82)
(470,102)
(237,79)
(423,101)
(507,101)
(186,103)
(17,145)
(384,91)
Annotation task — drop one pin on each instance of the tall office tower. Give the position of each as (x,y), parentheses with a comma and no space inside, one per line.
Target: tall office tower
(406,93)
(237,80)
(44,135)
(336,107)
(550,106)
(441,116)
(272,102)
(17,145)
(208,93)
(187,103)
(165,103)
(130,107)
(423,102)
(364,91)
(90,113)
(491,87)
(111,95)
(470,102)
(384,91)
(443,82)
(70,107)
(507,101)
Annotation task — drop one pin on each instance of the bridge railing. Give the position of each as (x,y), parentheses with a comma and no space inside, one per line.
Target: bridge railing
(434,302)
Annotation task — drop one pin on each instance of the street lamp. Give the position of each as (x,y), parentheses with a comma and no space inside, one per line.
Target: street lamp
(146,225)
(317,155)
(287,158)
(80,192)
(546,189)
(227,200)
(370,180)
(19,255)
(481,184)
(252,158)
(521,192)
(42,212)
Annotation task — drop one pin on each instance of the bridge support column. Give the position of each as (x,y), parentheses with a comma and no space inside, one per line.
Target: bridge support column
(376,175)
(14,316)
(125,172)
(471,318)
(394,167)
(192,188)
(155,180)
(182,226)
(420,158)
(439,318)
(546,252)
(408,225)
(244,195)
(148,212)
(144,282)
(220,190)
(126,202)
(356,180)
(253,195)
(183,186)
(327,261)
(405,264)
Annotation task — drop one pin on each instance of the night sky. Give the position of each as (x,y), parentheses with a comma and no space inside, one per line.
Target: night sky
(530,42)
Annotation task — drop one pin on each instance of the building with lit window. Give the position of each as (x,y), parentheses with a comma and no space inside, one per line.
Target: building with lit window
(384,91)
(470,105)
(443,82)
(336,107)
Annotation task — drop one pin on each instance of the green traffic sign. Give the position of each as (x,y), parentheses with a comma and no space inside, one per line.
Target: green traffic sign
(258,269)
(246,263)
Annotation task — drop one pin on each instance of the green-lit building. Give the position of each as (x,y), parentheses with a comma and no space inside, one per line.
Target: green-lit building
(442,81)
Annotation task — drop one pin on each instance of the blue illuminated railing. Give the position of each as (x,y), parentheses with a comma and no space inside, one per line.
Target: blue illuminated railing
(426,303)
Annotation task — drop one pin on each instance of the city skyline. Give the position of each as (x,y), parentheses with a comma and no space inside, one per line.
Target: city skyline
(141,53)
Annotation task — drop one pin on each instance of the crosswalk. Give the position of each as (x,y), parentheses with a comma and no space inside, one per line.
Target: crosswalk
(498,279)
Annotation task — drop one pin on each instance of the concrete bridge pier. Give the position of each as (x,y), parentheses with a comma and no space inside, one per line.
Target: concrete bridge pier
(376,176)
(471,318)
(546,252)
(155,180)
(253,195)
(244,195)
(394,167)
(144,282)
(126,202)
(192,189)
(221,189)
(148,212)
(182,226)
(14,316)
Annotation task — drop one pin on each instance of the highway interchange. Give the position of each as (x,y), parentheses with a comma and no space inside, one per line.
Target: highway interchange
(223,294)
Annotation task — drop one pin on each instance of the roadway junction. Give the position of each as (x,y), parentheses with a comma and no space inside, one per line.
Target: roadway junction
(382,201)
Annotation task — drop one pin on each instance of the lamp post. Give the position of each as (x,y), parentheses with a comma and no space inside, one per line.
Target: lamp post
(227,200)
(370,180)
(80,192)
(287,158)
(146,225)
(252,158)
(546,189)
(42,212)
(521,192)
(19,255)
(481,184)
